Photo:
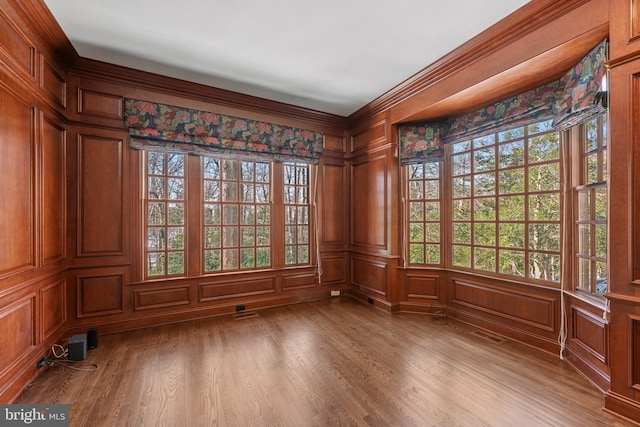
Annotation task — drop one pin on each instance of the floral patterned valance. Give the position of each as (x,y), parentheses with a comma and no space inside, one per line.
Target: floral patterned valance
(570,100)
(153,125)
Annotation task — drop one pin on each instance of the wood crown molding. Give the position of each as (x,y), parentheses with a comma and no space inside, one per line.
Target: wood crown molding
(120,75)
(522,22)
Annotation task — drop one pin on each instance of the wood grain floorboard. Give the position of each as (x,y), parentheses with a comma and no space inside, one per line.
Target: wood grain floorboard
(323,363)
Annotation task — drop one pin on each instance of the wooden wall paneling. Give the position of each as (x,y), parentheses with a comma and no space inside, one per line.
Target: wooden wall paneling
(624,225)
(100,292)
(335,143)
(102,191)
(370,203)
(16,49)
(20,318)
(53,82)
(161,297)
(369,137)
(635,352)
(335,269)
(53,182)
(625,29)
(230,287)
(587,345)
(333,203)
(527,314)
(515,304)
(422,287)
(100,104)
(370,275)
(17,218)
(53,309)
(294,281)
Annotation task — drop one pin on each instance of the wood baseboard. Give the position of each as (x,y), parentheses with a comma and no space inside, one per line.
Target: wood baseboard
(622,406)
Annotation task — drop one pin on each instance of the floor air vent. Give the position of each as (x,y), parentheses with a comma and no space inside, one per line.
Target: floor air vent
(247,315)
(493,338)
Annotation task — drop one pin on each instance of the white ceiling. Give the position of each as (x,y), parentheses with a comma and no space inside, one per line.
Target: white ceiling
(333,56)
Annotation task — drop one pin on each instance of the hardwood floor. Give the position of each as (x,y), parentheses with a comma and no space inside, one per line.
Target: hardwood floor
(323,363)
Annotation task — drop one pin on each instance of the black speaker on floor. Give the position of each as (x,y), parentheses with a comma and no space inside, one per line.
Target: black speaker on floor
(92,338)
(77,347)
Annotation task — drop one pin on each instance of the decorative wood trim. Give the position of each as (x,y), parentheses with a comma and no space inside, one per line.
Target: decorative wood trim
(109,73)
(145,299)
(53,308)
(621,405)
(100,148)
(584,335)
(370,137)
(100,104)
(292,282)
(373,198)
(531,17)
(39,17)
(18,163)
(216,291)
(53,190)
(52,81)
(505,303)
(335,269)
(369,276)
(19,316)
(422,287)
(99,295)
(22,50)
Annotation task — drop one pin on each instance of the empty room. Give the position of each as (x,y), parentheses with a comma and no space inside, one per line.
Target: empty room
(283,213)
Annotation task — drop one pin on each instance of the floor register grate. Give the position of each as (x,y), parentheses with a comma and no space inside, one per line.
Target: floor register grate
(493,338)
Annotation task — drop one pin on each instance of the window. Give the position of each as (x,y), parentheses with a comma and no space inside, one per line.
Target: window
(504,197)
(505,201)
(165,220)
(591,199)
(237,214)
(226,208)
(424,213)
(296,213)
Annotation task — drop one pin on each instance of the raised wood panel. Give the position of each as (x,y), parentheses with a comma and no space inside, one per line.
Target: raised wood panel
(369,275)
(334,269)
(236,288)
(158,298)
(16,46)
(100,104)
(18,323)
(422,287)
(625,28)
(298,281)
(99,295)
(100,193)
(16,186)
(53,82)
(52,308)
(590,333)
(53,191)
(369,202)
(635,351)
(334,143)
(519,306)
(333,204)
(370,137)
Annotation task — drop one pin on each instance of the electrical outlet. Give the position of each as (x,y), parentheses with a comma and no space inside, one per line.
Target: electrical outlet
(370,300)
(240,307)
(41,362)
(335,293)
